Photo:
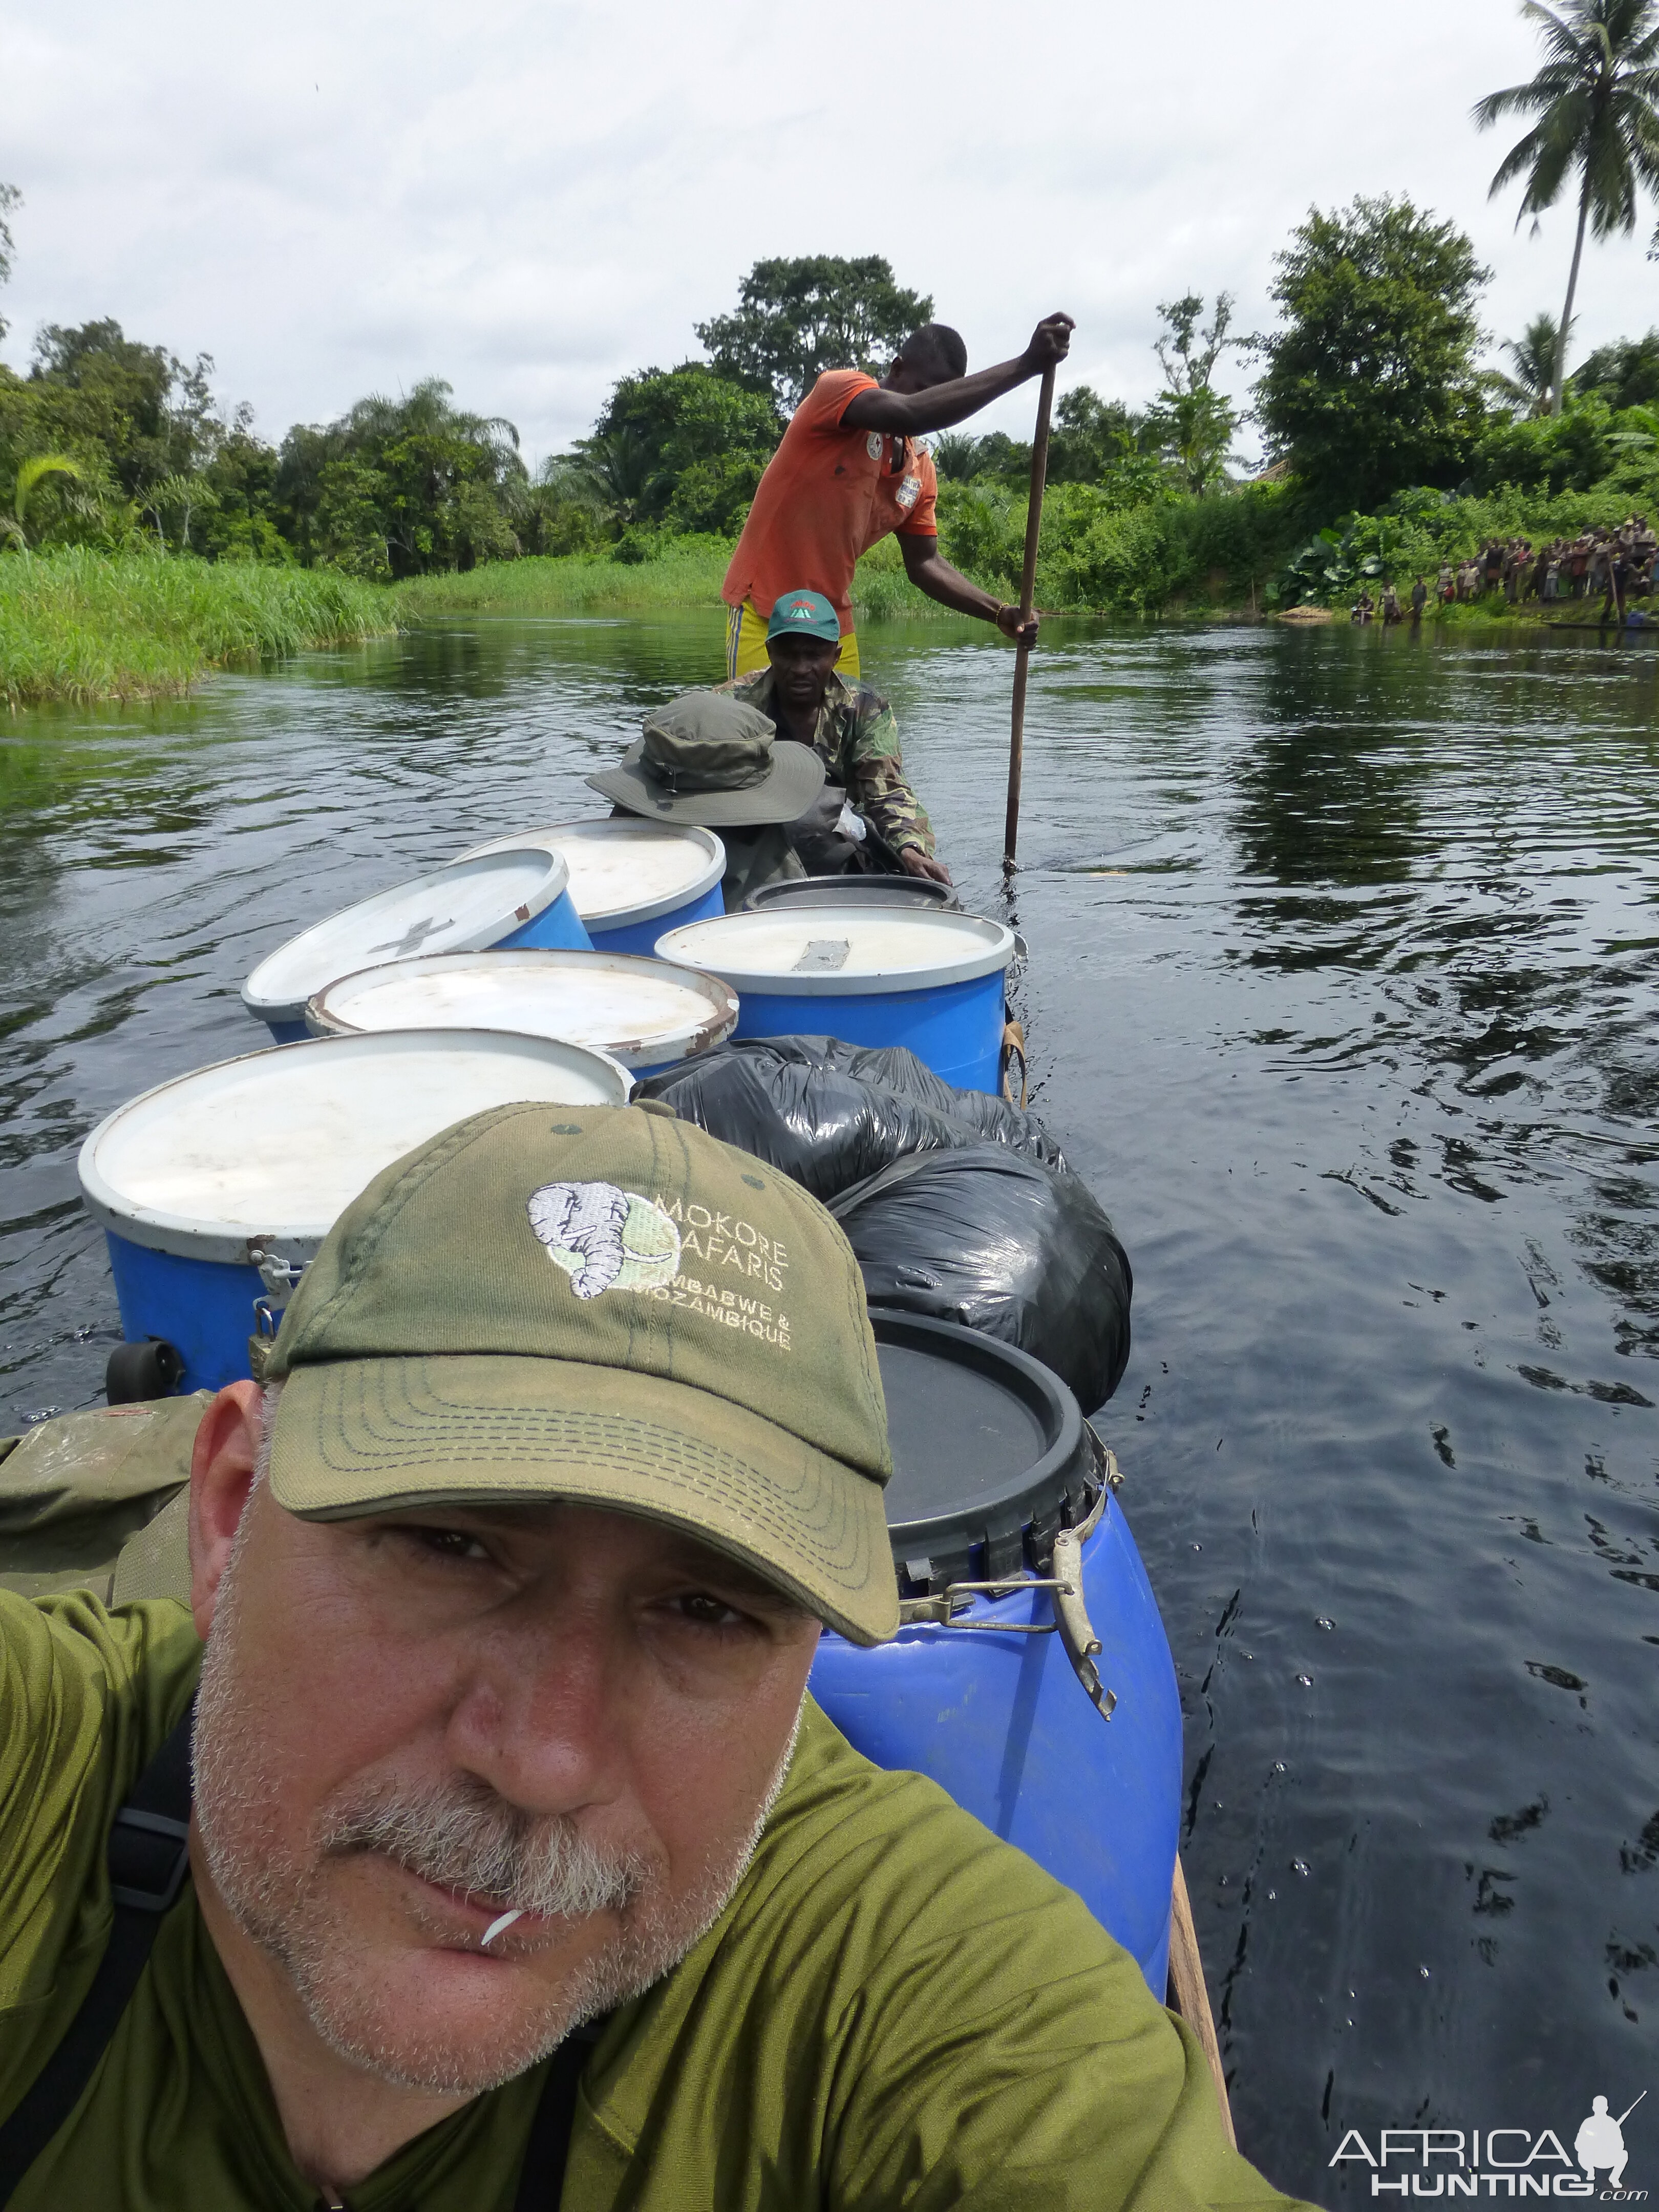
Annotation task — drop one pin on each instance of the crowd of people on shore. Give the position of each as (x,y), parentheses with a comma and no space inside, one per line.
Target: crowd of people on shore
(1618,564)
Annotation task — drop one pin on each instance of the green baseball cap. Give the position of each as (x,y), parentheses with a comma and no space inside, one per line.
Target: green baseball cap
(803,614)
(604,1304)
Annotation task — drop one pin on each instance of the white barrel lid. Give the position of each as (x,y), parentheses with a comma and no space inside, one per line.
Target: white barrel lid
(270,1148)
(841,952)
(623,869)
(459,909)
(643,1012)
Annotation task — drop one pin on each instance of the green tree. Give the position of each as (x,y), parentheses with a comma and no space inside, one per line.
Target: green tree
(237,523)
(402,487)
(1188,354)
(349,521)
(1095,441)
(155,414)
(1626,373)
(1092,436)
(796,318)
(1594,99)
(9,199)
(560,512)
(1371,384)
(995,458)
(1190,422)
(1536,354)
(1544,451)
(681,448)
(956,455)
(608,470)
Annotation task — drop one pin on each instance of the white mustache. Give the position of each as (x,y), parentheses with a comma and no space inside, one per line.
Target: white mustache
(478,1845)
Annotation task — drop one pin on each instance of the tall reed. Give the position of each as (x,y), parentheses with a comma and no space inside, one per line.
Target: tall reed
(81,626)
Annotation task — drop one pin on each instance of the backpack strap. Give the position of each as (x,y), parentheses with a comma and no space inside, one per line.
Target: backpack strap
(541,2177)
(149,1861)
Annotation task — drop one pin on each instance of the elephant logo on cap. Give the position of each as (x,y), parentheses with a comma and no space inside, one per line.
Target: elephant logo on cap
(604,1239)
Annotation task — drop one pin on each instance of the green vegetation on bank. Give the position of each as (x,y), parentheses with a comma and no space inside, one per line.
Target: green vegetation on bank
(81,626)
(147,534)
(680,572)
(1252,551)
(674,573)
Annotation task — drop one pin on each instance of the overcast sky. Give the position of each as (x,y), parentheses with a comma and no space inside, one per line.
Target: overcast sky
(530,201)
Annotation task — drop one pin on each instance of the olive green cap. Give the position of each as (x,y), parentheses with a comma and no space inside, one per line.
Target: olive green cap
(608,1305)
(710,759)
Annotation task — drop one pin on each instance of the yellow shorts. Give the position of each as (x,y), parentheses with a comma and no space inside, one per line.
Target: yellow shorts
(745,646)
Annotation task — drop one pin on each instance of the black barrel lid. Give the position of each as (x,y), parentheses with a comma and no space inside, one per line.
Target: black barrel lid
(990,1457)
(854,891)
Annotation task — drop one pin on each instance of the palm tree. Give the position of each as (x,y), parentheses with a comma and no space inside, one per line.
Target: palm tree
(611,471)
(1594,99)
(1531,390)
(956,454)
(30,476)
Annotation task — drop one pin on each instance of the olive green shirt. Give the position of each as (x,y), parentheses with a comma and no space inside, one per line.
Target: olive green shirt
(895,2010)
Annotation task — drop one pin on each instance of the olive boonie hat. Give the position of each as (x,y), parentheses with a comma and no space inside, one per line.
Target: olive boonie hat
(602,1304)
(804,614)
(710,759)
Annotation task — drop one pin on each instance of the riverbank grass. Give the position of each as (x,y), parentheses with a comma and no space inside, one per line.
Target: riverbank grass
(78,627)
(685,572)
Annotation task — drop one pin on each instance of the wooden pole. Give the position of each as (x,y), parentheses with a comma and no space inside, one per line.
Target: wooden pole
(1190,1997)
(1027,591)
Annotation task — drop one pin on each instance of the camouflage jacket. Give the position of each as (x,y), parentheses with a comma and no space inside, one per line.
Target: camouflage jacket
(857,739)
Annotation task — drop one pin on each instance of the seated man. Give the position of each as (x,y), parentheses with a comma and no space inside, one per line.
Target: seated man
(851,727)
(521,1871)
(710,760)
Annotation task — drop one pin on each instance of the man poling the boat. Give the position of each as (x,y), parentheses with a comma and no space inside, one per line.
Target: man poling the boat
(851,727)
(849,473)
(521,1871)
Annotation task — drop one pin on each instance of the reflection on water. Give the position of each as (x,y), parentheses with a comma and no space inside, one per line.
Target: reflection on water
(1343,989)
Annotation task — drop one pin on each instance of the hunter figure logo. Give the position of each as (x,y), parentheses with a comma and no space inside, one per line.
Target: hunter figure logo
(605,1239)
(1600,2142)
(1498,2162)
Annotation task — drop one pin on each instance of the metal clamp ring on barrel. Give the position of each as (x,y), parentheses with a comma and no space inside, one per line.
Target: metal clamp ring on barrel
(1065,1587)
(279,1276)
(1071,1612)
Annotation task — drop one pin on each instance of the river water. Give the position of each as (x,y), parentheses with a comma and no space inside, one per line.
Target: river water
(1343,977)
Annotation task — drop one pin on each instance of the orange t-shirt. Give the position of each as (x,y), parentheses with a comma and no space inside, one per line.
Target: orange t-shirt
(829,494)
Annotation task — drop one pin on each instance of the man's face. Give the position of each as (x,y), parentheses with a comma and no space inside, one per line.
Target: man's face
(802,667)
(411,1725)
(915,376)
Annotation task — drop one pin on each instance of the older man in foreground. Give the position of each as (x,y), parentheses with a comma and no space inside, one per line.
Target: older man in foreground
(520,1872)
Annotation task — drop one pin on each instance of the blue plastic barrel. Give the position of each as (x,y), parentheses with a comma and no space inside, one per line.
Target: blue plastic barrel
(644,1013)
(630,880)
(513,896)
(990,1456)
(214,1189)
(872,974)
(854,891)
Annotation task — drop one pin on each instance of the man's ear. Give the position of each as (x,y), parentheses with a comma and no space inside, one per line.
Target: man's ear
(221,1464)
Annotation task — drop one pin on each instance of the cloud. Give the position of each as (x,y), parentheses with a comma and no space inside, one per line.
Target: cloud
(531,201)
